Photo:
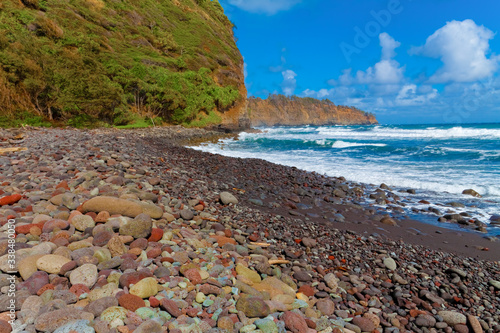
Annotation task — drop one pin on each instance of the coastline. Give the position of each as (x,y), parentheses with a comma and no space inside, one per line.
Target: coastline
(362,254)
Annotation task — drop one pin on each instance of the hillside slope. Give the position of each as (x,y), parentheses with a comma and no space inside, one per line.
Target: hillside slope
(282,110)
(110,59)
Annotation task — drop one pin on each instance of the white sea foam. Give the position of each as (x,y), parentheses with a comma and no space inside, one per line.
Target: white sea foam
(427,133)
(343,144)
(419,165)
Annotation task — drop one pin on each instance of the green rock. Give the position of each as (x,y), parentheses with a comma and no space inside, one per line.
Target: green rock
(266,325)
(145,313)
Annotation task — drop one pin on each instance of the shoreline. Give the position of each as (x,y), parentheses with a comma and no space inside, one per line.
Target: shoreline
(466,242)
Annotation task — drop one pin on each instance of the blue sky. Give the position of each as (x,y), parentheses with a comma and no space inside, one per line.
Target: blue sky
(407,61)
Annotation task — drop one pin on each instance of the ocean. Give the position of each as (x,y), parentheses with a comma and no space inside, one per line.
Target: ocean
(438,161)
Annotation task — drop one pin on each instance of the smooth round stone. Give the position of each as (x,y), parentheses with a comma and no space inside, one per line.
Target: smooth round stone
(113,313)
(102,255)
(80,326)
(145,313)
(453,318)
(145,288)
(248,328)
(267,325)
(200,297)
(51,263)
(390,263)
(85,274)
(27,266)
(207,303)
(227,198)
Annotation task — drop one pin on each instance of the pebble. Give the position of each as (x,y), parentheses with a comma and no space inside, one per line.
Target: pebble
(85,274)
(294,322)
(227,198)
(390,263)
(112,206)
(253,306)
(145,288)
(452,318)
(51,263)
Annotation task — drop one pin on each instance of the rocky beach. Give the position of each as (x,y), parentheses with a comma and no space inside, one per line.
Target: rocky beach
(129,231)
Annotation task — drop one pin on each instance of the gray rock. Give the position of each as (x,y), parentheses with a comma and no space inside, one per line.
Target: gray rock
(390,263)
(452,318)
(227,198)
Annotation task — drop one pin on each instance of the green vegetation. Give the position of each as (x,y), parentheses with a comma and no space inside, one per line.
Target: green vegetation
(123,62)
(23,118)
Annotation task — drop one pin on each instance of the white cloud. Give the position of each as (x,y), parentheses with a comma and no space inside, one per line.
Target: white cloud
(289,82)
(269,7)
(387,70)
(410,95)
(462,46)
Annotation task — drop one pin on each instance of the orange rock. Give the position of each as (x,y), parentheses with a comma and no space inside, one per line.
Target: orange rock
(63,184)
(222,240)
(10,199)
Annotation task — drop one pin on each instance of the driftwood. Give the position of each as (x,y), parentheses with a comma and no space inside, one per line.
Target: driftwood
(278,262)
(12,149)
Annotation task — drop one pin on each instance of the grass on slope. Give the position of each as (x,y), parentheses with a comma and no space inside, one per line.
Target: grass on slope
(116,60)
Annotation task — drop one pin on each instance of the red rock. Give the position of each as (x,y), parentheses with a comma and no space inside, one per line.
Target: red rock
(154,302)
(102,216)
(208,289)
(92,215)
(167,259)
(102,238)
(222,240)
(50,225)
(156,235)
(192,312)
(294,322)
(140,243)
(36,281)
(310,323)
(10,199)
(365,324)
(70,265)
(228,232)
(193,275)
(63,184)
(199,207)
(79,289)
(131,302)
(5,327)
(61,242)
(171,307)
(44,288)
(253,237)
(132,278)
(153,253)
(73,214)
(307,290)
(25,229)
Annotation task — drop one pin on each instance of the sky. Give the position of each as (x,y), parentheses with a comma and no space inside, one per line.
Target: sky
(406,61)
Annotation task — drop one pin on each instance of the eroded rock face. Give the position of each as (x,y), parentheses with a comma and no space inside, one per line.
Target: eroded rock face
(281,110)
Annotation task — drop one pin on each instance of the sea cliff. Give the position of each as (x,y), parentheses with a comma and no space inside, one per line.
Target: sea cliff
(282,110)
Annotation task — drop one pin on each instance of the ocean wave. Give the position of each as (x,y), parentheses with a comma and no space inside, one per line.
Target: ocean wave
(382,132)
(343,144)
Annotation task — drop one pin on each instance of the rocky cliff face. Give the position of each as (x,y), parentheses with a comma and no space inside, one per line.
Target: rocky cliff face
(282,110)
(115,60)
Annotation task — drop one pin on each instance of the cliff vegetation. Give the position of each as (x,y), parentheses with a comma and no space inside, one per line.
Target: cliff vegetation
(283,110)
(119,62)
